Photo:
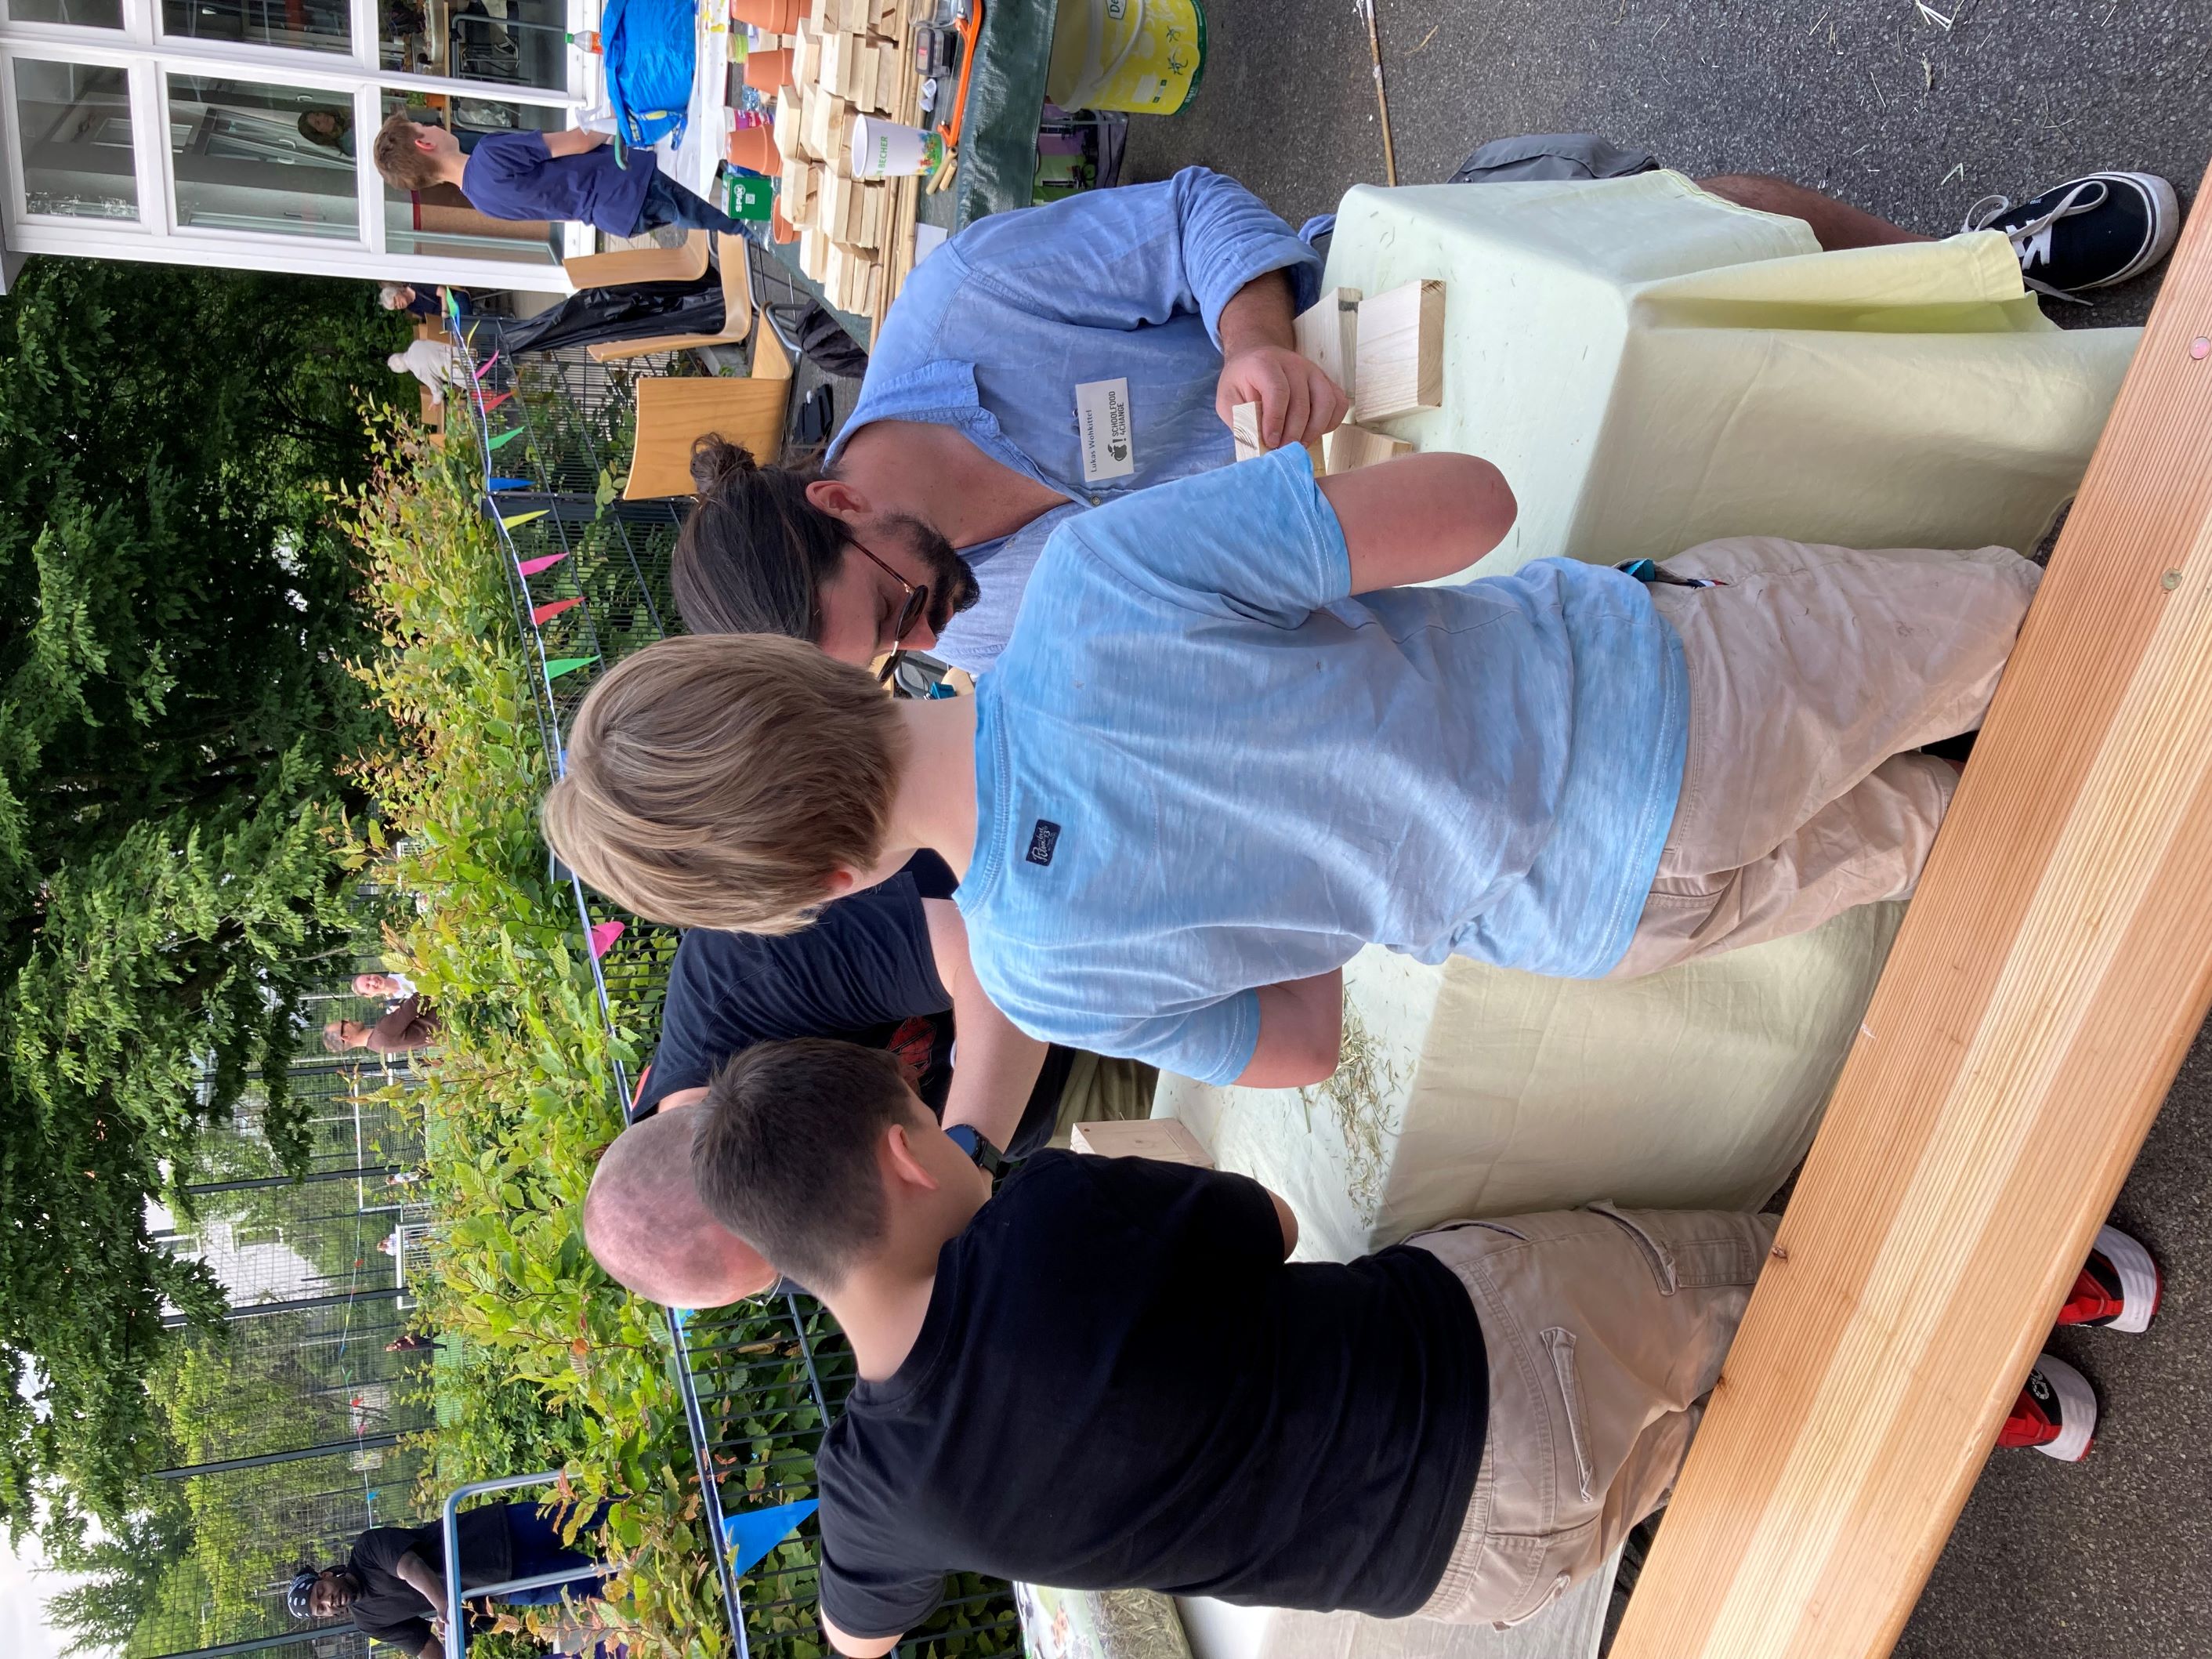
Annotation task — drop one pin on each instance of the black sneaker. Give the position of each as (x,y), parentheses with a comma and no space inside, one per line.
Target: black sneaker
(2090,232)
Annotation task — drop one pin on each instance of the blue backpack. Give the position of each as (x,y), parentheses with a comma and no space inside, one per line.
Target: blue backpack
(649,47)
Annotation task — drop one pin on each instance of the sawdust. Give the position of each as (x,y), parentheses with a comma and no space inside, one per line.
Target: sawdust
(1358,1097)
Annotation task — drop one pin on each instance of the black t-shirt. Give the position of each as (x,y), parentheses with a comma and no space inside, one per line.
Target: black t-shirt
(1120,1383)
(863,972)
(390,1609)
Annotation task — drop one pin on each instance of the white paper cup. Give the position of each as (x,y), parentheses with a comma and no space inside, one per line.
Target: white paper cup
(890,150)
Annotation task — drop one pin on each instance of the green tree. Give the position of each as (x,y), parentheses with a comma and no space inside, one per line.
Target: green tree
(176,613)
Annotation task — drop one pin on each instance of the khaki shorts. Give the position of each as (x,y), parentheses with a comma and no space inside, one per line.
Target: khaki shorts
(1605,1329)
(1813,675)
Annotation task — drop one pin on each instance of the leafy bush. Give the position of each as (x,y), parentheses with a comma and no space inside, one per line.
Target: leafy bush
(517,1103)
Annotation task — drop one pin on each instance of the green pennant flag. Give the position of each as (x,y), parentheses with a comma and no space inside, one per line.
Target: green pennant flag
(523,517)
(511,434)
(561,665)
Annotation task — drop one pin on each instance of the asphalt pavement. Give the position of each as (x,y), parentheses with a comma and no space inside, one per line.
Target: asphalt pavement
(1912,112)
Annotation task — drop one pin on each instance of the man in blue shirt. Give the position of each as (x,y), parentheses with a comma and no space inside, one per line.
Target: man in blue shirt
(1205,773)
(1170,302)
(545,175)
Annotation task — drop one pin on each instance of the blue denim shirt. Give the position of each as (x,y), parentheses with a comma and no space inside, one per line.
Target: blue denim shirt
(993,332)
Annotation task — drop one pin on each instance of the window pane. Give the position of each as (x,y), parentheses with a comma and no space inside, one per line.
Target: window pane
(307,25)
(73,122)
(246,158)
(85,14)
(514,43)
(439,221)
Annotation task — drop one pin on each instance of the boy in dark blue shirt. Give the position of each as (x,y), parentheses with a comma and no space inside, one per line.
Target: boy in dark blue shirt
(545,175)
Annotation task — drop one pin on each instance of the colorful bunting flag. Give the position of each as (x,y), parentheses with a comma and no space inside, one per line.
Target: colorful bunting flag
(490,404)
(516,520)
(561,665)
(485,367)
(507,483)
(603,935)
(545,613)
(751,1534)
(508,436)
(531,567)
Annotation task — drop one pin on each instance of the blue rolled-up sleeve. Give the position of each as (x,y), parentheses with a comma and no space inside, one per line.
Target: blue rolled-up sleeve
(1140,254)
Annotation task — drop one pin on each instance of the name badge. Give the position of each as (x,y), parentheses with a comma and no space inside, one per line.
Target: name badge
(1102,419)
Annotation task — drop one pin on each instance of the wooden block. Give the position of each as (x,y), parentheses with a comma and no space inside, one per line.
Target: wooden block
(2051,973)
(890,62)
(1350,447)
(885,18)
(1326,332)
(1398,359)
(1162,1138)
(788,119)
(1244,427)
(838,51)
(814,247)
(828,132)
(875,202)
(806,56)
(836,206)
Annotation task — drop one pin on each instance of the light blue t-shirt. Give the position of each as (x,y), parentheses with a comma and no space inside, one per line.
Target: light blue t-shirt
(1202,768)
(994,332)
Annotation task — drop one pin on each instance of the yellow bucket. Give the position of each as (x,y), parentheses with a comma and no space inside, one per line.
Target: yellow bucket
(1143,56)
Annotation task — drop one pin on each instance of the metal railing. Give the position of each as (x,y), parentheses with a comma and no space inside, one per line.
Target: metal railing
(759,1382)
(449,1525)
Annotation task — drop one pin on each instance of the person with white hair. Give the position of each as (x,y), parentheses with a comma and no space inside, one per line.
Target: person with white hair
(434,362)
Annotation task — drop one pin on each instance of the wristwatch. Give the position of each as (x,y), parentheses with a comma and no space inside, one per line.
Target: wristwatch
(970,1140)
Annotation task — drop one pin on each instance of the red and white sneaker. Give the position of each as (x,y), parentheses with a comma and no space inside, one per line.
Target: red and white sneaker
(2055,1412)
(2119,1287)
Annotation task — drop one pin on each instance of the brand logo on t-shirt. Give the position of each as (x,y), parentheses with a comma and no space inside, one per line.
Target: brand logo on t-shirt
(1042,840)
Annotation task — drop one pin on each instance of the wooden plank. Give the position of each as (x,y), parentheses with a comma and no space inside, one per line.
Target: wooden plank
(2051,973)
(1327,333)
(1398,359)
(1350,447)
(1160,1138)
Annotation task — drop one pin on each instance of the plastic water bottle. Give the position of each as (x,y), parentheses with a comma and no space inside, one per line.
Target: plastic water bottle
(588,39)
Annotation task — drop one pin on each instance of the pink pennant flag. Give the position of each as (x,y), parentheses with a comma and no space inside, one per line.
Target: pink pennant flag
(545,613)
(604,934)
(485,367)
(531,567)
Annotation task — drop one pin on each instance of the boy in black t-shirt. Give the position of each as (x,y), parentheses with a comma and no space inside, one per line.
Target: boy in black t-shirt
(1108,1376)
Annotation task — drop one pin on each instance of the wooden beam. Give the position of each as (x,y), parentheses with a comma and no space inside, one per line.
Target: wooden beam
(1327,333)
(2049,976)
(1398,361)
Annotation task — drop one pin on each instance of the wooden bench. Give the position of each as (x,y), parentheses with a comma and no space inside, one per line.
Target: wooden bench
(2050,975)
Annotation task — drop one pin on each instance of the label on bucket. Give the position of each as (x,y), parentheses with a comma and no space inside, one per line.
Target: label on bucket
(1101,418)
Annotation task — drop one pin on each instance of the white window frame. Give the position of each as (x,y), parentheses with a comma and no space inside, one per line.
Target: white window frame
(356,76)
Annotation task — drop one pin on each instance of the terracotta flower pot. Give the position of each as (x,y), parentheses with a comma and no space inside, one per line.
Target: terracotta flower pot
(755,148)
(767,70)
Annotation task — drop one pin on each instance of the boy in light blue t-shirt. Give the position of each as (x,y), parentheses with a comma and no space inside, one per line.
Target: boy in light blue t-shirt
(1227,746)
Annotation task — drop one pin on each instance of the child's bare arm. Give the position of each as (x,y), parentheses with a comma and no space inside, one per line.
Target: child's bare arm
(574,141)
(1301,1033)
(1419,517)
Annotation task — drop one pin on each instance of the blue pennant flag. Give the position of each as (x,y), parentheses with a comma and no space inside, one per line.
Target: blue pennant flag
(751,1534)
(507,483)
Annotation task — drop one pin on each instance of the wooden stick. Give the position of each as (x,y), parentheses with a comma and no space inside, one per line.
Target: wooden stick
(2049,976)
(1382,103)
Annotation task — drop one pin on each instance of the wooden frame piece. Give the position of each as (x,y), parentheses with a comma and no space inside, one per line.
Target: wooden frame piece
(2053,970)
(1398,359)
(1162,1138)
(1244,427)
(1327,333)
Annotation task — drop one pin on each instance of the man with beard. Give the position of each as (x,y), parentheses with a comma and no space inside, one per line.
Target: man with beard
(1049,361)
(394,1582)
